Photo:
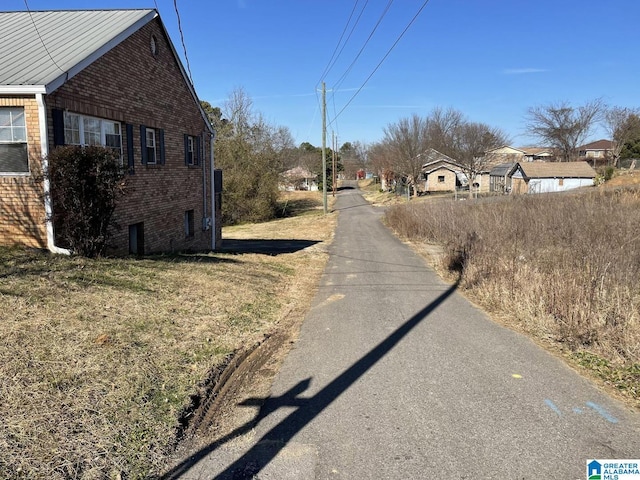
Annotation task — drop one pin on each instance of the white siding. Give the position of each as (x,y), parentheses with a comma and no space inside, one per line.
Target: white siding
(547,185)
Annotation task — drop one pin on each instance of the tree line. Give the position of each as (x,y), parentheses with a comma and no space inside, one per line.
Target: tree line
(254,154)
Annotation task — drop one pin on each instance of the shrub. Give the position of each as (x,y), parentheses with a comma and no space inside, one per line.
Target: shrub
(609,173)
(85,185)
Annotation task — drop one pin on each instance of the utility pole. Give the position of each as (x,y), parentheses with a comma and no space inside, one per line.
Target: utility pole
(334,144)
(324,148)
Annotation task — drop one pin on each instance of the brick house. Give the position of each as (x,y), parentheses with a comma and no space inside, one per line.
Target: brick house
(112,78)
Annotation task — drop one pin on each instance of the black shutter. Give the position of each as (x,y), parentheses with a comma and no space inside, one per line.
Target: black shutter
(217,190)
(217,180)
(186,149)
(58,127)
(160,149)
(130,159)
(197,153)
(143,143)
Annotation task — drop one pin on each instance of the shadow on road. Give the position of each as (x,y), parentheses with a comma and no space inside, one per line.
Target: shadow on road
(266,247)
(266,449)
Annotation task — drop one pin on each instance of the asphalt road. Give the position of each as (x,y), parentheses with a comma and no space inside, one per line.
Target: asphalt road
(397,376)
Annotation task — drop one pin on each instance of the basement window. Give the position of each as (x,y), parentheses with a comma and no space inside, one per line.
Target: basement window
(189,229)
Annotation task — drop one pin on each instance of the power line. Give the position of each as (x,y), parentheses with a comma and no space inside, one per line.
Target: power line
(333,98)
(329,64)
(184,47)
(344,75)
(381,61)
(40,37)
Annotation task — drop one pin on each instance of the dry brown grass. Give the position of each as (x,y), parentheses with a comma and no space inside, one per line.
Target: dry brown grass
(371,192)
(99,358)
(563,267)
(625,178)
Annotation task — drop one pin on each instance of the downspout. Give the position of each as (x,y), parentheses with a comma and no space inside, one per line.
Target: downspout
(212,137)
(44,151)
(204,180)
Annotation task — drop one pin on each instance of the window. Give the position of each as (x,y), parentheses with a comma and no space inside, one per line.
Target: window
(13,141)
(152,145)
(191,150)
(440,178)
(83,130)
(150,142)
(189,229)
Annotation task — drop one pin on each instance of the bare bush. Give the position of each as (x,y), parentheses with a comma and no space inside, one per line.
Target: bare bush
(86,183)
(565,266)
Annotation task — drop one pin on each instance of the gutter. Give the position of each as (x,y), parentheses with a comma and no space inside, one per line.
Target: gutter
(44,151)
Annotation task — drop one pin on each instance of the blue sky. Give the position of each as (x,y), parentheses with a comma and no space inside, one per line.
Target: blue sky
(490,59)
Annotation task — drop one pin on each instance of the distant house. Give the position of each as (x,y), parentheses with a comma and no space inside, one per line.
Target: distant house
(545,177)
(600,149)
(298,178)
(111,78)
(504,154)
(441,173)
(534,154)
(507,154)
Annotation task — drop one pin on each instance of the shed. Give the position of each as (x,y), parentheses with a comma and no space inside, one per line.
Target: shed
(545,177)
(499,180)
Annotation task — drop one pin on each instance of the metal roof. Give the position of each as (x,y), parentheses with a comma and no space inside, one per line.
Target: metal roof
(501,170)
(43,49)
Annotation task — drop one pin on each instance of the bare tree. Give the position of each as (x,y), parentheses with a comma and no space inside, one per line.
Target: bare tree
(564,127)
(622,125)
(407,139)
(443,126)
(445,130)
(252,154)
(354,158)
(472,141)
(238,109)
(381,160)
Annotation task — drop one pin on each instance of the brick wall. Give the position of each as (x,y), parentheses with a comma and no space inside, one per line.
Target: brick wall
(22,217)
(131,85)
(449,184)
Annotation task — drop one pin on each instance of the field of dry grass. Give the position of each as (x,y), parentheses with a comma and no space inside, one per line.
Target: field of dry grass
(100,359)
(562,267)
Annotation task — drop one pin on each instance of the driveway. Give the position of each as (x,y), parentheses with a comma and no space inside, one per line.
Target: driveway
(396,375)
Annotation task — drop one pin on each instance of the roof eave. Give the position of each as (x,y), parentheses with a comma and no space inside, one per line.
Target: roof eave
(22,89)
